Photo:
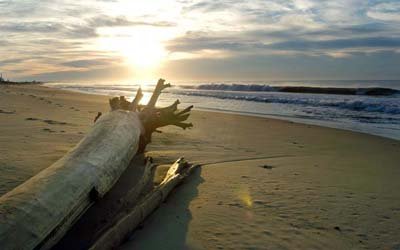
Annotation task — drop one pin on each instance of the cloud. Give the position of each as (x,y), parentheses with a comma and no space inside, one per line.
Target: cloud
(303,4)
(333,31)
(4,43)
(202,41)
(21,9)
(104,74)
(335,28)
(85,29)
(61,30)
(108,21)
(208,6)
(89,63)
(341,11)
(41,27)
(72,37)
(370,42)
(300,41)
(11,61)
(385,11)
(255,6)
(285,67)
(368,28)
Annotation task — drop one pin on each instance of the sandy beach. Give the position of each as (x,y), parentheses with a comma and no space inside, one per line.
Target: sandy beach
(264,183)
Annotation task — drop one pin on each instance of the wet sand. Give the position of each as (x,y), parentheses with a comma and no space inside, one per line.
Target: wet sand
(264,184)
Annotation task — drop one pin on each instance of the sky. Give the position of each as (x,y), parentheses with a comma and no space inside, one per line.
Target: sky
(125,40)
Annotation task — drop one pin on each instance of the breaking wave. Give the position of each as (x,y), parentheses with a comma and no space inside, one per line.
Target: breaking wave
(366,104)
(373,91)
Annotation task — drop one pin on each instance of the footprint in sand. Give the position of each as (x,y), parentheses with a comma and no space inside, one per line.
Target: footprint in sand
(266,166)
(235,204)
(52,122)
(48,130)
(32,119)
(6,112)
(75,109)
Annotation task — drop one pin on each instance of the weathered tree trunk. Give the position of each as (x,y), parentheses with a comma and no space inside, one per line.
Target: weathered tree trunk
(136,179)
(36,214)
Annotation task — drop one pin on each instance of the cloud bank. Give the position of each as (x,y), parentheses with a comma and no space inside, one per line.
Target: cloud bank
(259,39)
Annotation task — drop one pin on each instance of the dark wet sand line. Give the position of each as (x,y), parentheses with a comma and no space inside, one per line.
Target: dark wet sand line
(246,159)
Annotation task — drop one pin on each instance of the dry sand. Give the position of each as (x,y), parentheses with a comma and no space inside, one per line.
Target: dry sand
(265,183)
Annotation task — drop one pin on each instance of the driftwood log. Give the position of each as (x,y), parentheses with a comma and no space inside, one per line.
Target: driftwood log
(38,213)
(136,180)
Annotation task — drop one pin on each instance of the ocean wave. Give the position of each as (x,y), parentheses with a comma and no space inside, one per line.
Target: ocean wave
(373,91)
(391,106)
(361,112)
(234,87)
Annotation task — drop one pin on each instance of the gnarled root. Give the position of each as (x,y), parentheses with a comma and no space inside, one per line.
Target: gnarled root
(152,117)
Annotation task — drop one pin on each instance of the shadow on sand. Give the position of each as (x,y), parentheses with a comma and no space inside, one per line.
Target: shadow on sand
(83,233)
(167,227)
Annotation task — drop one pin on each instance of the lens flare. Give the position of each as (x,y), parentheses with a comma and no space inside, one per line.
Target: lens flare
(245,196)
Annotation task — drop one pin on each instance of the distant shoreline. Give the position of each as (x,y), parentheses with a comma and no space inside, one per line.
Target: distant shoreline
(16,83)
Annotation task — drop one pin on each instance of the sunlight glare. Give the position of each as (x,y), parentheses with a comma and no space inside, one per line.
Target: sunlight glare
(142,48)
(142,53)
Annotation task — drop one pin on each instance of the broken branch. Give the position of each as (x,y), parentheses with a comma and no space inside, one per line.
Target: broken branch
(157,92)
(136,100)
(126,225)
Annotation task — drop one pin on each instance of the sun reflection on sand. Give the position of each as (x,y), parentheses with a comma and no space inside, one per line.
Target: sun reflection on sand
(245,196)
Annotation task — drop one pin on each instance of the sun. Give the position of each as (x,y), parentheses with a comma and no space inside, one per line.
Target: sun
(141,48)
(142,53)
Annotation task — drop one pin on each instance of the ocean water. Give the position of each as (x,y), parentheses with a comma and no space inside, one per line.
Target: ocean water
(372,114)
